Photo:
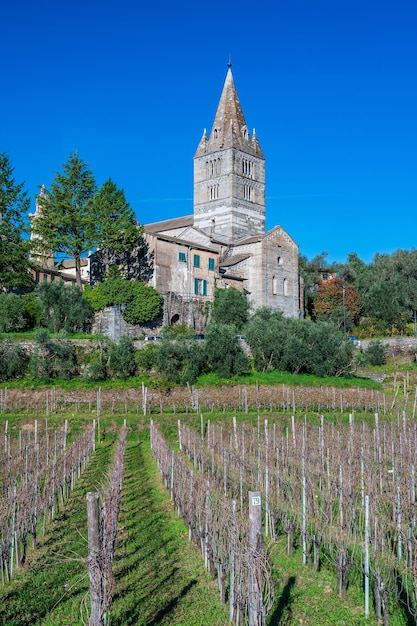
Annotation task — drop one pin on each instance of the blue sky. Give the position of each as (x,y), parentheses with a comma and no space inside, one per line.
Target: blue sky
(331,88)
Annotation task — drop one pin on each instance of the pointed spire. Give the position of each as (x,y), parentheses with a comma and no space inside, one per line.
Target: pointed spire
(201,149)
(229,113)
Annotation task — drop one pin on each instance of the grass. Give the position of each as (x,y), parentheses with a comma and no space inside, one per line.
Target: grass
(285,378)
(312,599)
(30,334)
(160,574)
(206,380)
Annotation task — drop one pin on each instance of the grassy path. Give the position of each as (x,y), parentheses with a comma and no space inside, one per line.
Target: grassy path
(160,578)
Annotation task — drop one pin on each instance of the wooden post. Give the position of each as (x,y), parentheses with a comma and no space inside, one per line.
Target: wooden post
(255,547)
(366,557)
(232,564)
(94,561)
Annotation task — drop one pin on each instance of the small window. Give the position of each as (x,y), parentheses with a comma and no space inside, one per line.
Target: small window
(182,257)
(200,287)
(211,264)
(196,260)
(285,287)
(52,278)
(274,285)
(37,276)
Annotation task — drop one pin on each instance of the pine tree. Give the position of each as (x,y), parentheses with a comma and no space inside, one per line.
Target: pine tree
(14,249)
(67,222)
(119,236)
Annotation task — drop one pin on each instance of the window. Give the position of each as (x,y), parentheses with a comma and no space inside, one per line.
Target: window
(52,278)
(37,276)
(211,264)
(247,192)
(274,285)
(200,287)
(182,257)
(248,168)
(285,286)
(196,260)
(213,192)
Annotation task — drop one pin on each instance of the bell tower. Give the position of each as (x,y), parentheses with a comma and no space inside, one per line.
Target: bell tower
(229,174)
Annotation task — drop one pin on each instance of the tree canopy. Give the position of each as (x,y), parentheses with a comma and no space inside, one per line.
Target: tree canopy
(119,238)
(230,306)
(14,248)
(67,222)
(141,303)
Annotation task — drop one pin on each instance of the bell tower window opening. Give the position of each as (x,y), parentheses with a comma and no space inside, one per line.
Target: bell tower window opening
(248,168)
(247,192)
(213,192)
(213,167)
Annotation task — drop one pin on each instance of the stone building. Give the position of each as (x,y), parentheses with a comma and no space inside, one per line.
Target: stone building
(224,243)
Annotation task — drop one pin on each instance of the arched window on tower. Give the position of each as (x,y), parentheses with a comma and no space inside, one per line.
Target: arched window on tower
(285,287)
(274,285)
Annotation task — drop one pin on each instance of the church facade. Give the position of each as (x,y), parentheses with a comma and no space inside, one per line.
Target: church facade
(225,242)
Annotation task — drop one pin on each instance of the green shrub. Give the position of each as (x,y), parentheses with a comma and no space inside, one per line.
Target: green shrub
(18,312)
(121,359)
(180,361)
(13,360)
(230,306)
(223,352)
(141,303)
(52,358)
(297,346)
(376,353)
(146,358)
(63,307)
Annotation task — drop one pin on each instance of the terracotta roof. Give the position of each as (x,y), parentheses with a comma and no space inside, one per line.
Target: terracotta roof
(195,245)
(177,222)
(253,239)
(70,263)
(233,260)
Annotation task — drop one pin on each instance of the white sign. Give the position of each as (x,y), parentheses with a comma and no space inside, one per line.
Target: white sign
(256,501)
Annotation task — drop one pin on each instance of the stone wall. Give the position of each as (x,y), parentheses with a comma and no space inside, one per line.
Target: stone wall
(395,346)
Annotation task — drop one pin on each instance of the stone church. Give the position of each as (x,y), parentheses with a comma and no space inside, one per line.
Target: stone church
(224,243)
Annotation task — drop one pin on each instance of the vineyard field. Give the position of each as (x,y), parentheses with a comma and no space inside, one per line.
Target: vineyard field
(314,472)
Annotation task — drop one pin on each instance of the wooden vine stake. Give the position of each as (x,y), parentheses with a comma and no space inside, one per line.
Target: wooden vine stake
(94,557)
(255,547)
